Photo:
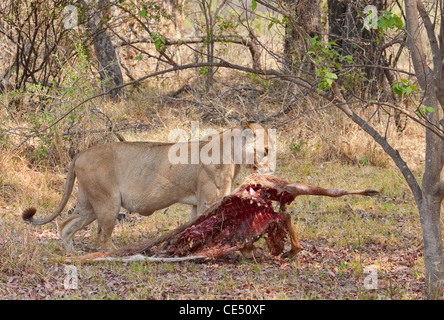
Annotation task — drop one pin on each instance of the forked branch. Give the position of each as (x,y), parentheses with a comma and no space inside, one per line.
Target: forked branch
(393,153)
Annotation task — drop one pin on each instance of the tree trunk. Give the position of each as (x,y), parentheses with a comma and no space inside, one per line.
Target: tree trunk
(346,29)
(336,17)
(429,214)
(307,13)
(208,14)
(108,63)
(429,205)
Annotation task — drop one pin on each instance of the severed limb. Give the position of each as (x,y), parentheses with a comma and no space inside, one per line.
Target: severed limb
(299,189)
(295,245)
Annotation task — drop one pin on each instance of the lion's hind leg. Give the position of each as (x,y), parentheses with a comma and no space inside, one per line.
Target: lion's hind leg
(106,220)
(81,217)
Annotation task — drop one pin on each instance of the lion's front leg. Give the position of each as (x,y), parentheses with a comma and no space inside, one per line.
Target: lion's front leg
(193,212)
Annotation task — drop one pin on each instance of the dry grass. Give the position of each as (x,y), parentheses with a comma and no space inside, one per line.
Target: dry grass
(340,237)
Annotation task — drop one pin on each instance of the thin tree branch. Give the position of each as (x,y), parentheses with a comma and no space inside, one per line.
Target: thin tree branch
(249,43)
(393,153)
(379,67)
(146,27)
(430,28)
(422,121)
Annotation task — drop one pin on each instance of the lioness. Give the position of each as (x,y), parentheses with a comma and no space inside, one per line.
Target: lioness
(141,177)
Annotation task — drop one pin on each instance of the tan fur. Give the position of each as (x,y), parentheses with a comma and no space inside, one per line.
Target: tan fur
(138,177)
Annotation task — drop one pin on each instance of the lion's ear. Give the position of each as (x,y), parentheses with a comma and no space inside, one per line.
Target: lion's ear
(246,124)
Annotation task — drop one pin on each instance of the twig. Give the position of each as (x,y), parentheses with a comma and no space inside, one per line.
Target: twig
(140,257)
(251,44)
(379,67)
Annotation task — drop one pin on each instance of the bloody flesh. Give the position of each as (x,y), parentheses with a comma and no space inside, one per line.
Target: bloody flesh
(239,220)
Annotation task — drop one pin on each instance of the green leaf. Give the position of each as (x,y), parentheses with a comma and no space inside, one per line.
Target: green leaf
(407,89)
(203,71)
(331,75)
(253,5)
(422,110)
(272,22)
(401,87)
(314,40)
(429,109)
(396,89)
(142,13)
(159,41)
(382,23)
(389,20)
(285,21)
(398,22)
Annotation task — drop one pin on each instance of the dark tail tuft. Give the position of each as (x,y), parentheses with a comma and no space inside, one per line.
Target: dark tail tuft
(28,213)
(370,192)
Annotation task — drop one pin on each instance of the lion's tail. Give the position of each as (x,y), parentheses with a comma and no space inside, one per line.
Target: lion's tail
(29,213)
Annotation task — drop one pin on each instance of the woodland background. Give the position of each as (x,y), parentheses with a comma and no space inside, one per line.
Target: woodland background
(353,89)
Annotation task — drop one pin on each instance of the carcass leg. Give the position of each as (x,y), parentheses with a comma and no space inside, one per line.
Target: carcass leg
(248,251)
(295,245)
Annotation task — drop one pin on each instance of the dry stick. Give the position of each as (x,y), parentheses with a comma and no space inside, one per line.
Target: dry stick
(430,29)
(379,67)
(139,257)
(249,43)
(103,256)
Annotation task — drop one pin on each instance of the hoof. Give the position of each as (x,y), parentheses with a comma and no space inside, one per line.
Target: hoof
(290,254)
